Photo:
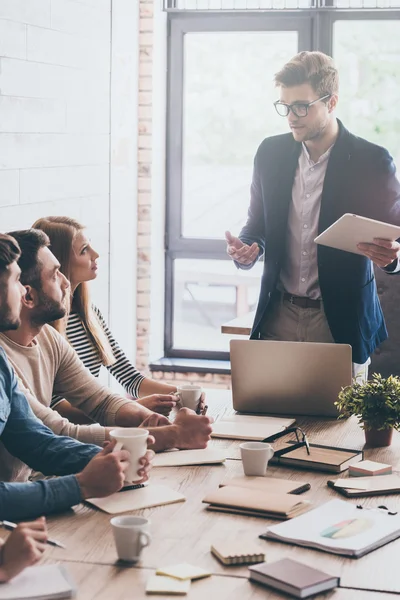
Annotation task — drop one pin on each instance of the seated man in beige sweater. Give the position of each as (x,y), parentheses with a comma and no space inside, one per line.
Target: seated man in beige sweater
(46,364)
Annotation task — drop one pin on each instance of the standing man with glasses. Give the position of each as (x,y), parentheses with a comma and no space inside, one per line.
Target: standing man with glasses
(302,183)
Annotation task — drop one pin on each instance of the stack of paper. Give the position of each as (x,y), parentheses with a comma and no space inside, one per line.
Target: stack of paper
(39,583)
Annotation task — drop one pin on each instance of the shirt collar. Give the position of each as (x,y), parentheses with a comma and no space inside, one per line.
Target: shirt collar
(324,157)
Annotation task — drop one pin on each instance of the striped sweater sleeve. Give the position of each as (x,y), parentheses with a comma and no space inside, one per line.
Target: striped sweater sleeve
(123,370)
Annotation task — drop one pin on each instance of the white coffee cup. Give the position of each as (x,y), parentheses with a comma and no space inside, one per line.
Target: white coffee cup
(189,396)
(255,457)
(131,536)
(134,440)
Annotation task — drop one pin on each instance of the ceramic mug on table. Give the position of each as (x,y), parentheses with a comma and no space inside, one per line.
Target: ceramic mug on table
(255,457)
(131,535)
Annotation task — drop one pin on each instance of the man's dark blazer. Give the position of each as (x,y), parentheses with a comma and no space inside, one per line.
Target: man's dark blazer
(360,179)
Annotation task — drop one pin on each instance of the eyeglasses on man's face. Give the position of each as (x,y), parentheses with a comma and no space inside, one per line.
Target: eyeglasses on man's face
(299,109)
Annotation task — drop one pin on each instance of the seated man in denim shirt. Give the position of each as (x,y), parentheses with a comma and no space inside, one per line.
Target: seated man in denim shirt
(100,472)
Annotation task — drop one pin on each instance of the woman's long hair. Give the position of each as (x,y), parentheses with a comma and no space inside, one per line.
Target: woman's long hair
(62,231)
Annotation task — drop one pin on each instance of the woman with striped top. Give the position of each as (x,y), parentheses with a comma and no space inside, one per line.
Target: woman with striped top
(86,329)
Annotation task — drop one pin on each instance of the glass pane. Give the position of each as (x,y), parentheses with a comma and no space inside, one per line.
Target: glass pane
(228,111)
(207,294)
(367,54)
(367,3)
(241,4)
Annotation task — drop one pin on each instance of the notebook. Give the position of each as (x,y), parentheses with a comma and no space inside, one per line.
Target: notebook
(339,527)
(366,468)
(157,584)
(268,484)
(360,487)
(146,497)
(39,583)
(248,427)
(321,458)
(267,505)
(181,458)
(238,553)
(293,578)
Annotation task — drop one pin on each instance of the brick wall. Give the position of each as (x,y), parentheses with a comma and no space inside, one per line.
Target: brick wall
(147,202)
(144,182)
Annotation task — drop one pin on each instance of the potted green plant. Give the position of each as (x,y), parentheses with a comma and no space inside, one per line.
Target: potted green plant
(376,404)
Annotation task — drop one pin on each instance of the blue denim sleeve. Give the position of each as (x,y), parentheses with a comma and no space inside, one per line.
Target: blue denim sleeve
(27,438)
(20,501)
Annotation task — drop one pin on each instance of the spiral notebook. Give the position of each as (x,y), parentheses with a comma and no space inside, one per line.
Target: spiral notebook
(238,553)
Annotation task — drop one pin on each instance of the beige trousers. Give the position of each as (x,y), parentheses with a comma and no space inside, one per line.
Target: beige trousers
(287,322)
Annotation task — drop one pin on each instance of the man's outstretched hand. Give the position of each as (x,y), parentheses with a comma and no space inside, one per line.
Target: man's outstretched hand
(242,253)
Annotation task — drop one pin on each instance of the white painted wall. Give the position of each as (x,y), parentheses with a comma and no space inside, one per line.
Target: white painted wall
(68,97)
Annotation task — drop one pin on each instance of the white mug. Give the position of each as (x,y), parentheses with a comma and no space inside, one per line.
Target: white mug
(134,440)
(255,457)
(189,395)
(131,536)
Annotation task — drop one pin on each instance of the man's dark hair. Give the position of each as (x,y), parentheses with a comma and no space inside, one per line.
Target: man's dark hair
(9,252)
(30,242)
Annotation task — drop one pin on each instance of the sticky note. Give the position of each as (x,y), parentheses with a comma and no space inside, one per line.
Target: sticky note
(183,571)
(167,585)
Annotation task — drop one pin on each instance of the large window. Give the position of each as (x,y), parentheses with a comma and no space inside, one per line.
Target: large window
(367,53)
(220,107)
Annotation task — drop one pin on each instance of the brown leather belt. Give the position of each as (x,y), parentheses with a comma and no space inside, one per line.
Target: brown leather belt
(301,301)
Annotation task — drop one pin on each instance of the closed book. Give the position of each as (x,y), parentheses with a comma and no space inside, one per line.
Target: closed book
(267,504)
(294,578)
(362,487)
(321,458)
(238,553)
(268,484)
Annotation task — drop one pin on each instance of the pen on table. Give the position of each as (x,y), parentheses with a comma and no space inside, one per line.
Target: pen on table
(11,526)
(135,486)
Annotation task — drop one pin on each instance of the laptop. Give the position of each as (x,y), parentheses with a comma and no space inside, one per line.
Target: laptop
(288,378)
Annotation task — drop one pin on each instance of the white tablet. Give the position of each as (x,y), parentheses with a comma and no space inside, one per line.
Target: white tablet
(350,230)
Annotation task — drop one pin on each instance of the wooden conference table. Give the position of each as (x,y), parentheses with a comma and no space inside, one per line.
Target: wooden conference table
(239,326)
(184,532)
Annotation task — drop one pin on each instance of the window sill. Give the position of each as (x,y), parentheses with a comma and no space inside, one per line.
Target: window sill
(191,365)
